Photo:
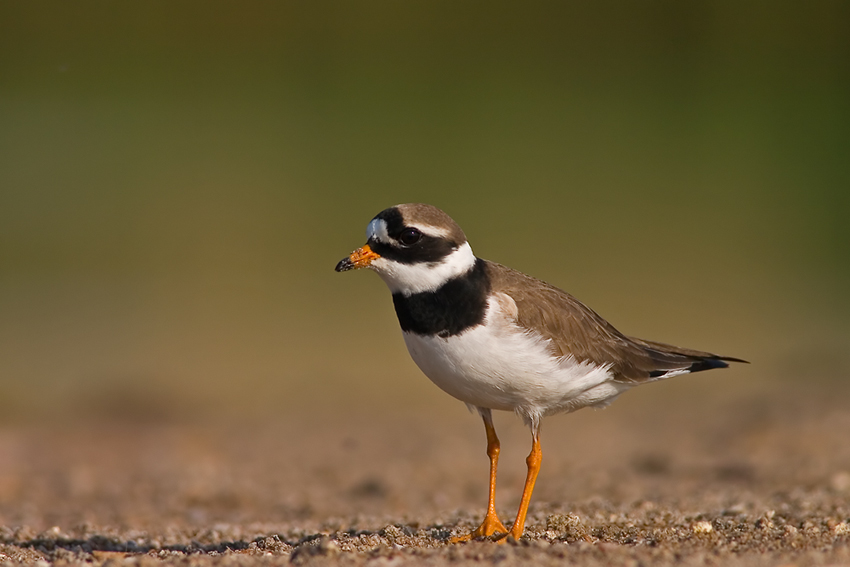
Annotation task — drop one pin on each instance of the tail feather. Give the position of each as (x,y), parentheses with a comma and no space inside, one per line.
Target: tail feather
(672,360)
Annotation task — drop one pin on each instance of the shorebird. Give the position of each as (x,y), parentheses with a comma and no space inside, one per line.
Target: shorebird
(498,339)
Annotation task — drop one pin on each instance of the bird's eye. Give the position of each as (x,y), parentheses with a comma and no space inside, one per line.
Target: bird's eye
(409,236)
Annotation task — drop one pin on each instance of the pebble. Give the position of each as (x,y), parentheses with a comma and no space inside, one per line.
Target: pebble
(702,527)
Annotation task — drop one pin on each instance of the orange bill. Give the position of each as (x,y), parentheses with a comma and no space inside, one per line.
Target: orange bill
(360,258)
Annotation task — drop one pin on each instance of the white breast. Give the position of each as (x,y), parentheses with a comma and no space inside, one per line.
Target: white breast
(499,365)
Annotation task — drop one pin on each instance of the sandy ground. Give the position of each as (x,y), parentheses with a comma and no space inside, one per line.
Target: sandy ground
(755,479)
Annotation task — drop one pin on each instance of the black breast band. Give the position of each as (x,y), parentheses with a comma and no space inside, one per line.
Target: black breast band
(458,305)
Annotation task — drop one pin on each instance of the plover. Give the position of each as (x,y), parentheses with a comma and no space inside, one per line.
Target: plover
(498,339)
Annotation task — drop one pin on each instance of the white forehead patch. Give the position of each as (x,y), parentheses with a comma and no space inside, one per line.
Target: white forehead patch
(377,229)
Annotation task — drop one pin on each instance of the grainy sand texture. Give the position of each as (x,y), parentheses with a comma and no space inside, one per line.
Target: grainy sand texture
(757,480)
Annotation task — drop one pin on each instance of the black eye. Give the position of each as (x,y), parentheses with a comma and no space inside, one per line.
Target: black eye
(409,236)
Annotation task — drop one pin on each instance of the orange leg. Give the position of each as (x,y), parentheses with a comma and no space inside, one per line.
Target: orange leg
(491,523)
(533,462)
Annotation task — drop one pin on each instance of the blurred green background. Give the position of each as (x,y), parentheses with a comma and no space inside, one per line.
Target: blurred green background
(178,180)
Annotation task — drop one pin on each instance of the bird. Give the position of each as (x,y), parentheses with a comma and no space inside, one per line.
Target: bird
(498,339)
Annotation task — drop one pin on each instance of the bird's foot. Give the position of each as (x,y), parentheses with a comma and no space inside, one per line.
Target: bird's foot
(491,526)
(506,537)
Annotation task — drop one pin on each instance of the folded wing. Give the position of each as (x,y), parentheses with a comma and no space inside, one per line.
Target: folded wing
(574,329)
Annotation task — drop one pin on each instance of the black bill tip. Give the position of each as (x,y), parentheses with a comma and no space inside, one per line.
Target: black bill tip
(344,265)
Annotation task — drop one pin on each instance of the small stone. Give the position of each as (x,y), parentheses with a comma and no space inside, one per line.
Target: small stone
(841,529)
(392,533)
(702,527)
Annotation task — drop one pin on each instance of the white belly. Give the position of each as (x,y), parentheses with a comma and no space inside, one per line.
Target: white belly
(500,366)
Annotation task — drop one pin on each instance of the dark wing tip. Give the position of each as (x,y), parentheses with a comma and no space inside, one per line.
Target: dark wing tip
(714,362)
(707,363)
(730,359)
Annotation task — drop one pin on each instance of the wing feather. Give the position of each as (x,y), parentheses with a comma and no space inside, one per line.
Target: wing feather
(574,329)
